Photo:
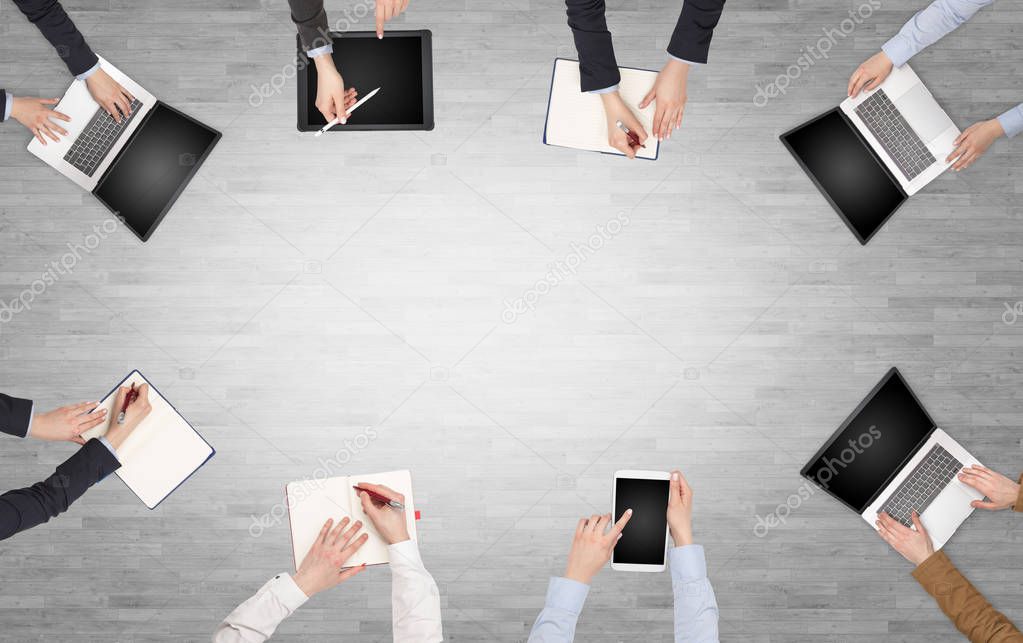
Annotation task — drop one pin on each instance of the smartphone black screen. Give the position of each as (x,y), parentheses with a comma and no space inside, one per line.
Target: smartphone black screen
(643,540)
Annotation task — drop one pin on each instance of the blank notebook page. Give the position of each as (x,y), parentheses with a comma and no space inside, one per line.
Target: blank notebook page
(312,502)
(160,453)
(576,119)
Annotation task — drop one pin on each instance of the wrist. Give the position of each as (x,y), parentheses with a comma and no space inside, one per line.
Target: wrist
(578,575)
(304,584)
(610,97)
(678,66)
(682,537)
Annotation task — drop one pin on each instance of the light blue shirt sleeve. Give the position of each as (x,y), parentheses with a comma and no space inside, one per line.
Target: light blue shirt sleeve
(110,447)
(929,26)
(319,51)
(696,608)
(556,623)
(1012,121)
(683,60)
(606,90)
(88,72)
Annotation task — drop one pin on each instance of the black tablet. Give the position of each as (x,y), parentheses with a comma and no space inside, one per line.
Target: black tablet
(401,65)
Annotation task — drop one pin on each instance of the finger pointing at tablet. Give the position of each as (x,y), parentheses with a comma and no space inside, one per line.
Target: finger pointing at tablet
(591,547)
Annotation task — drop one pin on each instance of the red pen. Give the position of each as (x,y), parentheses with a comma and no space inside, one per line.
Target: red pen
(633,137)
(379,497)
(128,399)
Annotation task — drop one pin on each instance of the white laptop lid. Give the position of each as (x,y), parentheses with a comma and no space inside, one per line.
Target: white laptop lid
(80,106)
(930,122)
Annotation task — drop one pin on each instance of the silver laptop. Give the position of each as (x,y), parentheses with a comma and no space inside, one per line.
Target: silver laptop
(890,456)
(137,168)
(906,127)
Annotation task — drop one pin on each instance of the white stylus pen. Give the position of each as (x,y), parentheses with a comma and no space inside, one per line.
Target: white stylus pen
(350,110)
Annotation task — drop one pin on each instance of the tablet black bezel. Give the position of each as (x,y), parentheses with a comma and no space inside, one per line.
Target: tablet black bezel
(303,64)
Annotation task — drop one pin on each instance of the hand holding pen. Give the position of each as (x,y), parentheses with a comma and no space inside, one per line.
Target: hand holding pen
(133,406)
(385,508)
(633,137)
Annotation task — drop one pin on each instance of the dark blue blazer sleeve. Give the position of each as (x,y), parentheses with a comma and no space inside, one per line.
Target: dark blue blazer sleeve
(597,66)
(15,413)
(57,27)
(23,509)
(691,38)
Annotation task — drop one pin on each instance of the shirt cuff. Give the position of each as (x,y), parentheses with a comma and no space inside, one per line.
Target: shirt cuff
(568,595)
(606,90)
(319,51)
(405,552)
(688,563)
(32,405)
(103,440)
(88,72)
(683,60)
(898,50)
(8,105)
(1012,121)
(287,591)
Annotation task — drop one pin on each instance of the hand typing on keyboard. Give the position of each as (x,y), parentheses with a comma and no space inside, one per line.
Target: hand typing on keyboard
(106,91)
(1001,492)
(914,544)
(870,74)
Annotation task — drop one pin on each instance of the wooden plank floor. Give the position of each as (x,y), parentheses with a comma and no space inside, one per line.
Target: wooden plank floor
(304,290)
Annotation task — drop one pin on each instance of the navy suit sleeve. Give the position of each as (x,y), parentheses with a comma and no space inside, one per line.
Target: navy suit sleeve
(597,66)
(15,413)
(23,509)
(57,27)
(691,38)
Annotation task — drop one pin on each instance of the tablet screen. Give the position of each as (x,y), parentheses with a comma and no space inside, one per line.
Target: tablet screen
(394,64)
(642,540)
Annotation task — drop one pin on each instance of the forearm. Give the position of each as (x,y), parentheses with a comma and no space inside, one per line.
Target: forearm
(54,23)
(598,68)
(968,610)
(311,20)
(696,608)
(23,509)
(556,622)
(930,25)
(690,42)
(415,599)
(15,413)
(255,620)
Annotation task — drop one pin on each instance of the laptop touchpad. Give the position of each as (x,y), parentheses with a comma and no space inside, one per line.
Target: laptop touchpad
(923,113)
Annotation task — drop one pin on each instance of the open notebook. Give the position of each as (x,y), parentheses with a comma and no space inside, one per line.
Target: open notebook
(576,119)
(162,451)
(312,502)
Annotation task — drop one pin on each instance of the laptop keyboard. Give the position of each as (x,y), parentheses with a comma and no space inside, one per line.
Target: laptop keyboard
(919,490)
(895,135)
(98,137)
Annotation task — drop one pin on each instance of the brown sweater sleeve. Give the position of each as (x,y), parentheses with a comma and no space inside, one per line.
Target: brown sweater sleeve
(968,610)
(1019,500)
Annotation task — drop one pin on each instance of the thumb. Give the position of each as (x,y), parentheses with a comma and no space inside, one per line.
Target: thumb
(980,504)
(77,440)
(647,99)
(916,523)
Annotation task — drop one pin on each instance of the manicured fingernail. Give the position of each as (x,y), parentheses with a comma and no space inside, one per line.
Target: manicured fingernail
(674,476)
(628,512)
(380,36)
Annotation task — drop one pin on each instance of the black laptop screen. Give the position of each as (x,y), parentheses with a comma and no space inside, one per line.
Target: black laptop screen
(846,171)
(876,440)
(394,64)
(154,166)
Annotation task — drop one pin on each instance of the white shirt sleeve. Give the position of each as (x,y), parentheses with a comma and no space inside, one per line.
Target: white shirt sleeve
(415,599)
(255,620)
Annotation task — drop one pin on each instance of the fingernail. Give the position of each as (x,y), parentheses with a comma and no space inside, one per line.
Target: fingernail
(674,476)
(344,121)
(380,36)
(628,511)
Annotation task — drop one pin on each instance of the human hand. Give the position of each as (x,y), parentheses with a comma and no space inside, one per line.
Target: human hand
(616,110)
(133,416)
(109,94)
(680,510)
(389,521)
(34,114)
(669,92)
(67,423)
(1001,492)
(387,9)
(332,99)
(321,568)
(870,74)
(915,546)
(973,142)
(591,547)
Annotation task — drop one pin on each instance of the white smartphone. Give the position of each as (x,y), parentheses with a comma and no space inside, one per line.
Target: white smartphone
(644,543)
